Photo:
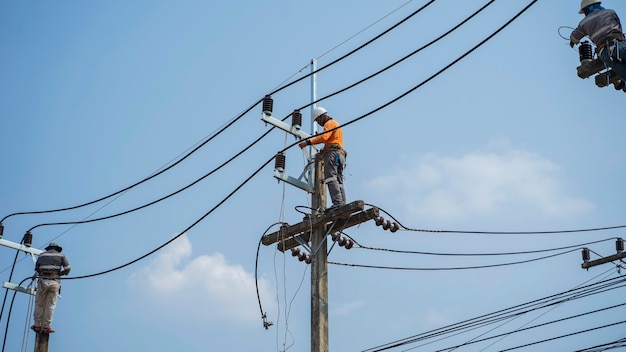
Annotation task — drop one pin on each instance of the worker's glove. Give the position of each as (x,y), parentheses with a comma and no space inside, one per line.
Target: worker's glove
(571,44)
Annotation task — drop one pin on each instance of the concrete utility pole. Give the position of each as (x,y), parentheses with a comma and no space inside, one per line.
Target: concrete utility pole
(313,233)
(319,267)
(41,340)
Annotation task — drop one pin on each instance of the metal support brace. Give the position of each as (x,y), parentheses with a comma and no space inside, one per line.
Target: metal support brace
(20,247)
(309,154)
(10,286)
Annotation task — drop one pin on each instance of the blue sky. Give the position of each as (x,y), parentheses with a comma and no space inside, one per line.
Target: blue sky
(100,95)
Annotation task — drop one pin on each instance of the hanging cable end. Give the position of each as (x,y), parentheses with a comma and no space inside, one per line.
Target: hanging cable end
(266,324)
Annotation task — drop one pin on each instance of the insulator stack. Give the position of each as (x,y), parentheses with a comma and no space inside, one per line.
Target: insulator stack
(586,255)
(342,241)
(303,257)
(1,230)
(386,224)
(619,245)
(585,52)
(268,105)
(279,162)
(28,239)
(296,119)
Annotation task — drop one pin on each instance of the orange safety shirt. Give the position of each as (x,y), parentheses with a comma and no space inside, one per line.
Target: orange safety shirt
(334,137)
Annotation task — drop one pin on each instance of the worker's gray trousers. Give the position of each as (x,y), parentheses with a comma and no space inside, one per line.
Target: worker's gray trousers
(614,56)
(45,301)
(334,163)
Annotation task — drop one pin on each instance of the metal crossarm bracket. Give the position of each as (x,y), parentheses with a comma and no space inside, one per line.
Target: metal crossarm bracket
(10,286)
(353,220)
(20,247)
(604,260)
(330,215)
(300,182)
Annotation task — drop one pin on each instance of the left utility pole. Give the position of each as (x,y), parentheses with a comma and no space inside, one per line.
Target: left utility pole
(41,340)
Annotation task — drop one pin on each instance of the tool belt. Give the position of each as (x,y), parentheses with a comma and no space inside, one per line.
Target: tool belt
(47,274)
(606,41)
(334,147)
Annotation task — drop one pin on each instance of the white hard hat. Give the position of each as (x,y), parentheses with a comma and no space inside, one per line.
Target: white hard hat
(317,112)
(585,3)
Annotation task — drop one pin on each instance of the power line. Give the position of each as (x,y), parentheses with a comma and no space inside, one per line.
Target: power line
(359,245)
(406,228)
(511,312)
(211,138)
(403,95)
(397,24)
(451,268)
(145,179)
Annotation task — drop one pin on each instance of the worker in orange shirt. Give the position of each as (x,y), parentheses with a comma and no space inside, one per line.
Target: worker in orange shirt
(334,154)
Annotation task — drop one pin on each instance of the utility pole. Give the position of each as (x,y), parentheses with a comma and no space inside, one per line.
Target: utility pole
(41,340)
(313,231)
(319,266)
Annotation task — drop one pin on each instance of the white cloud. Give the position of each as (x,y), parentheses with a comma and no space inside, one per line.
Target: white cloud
(206,288)
(480,183)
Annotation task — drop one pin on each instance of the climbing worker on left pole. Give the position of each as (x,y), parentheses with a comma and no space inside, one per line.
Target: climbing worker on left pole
(604,29)
(50,265)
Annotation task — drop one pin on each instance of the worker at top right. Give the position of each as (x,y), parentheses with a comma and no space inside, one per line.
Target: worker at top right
(604,29)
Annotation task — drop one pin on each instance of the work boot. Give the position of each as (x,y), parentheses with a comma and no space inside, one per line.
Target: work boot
(48,330)
(36,328)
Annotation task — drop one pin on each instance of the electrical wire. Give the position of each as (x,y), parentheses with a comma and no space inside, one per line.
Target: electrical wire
(563,336)
(394,100)
(559,32)
(445,68)
(265,134)
(348,123)
(6,290)
(450,268)
(181,233)
(226,126)
(6,330)
(396,25)
(576,293)
(440,37)
(405,228)
(164,197)
(476,254)
(145,179)
(605,346)
(345,41)
(256,275)
(509,333)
